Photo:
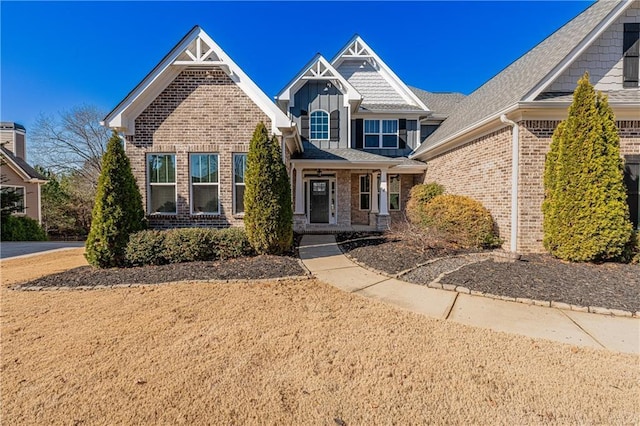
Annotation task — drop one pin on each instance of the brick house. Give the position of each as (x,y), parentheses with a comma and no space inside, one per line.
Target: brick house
(356,138)
(17,174)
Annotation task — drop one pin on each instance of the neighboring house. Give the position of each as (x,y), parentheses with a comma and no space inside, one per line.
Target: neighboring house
(16,174)
(513,116)
(356,138)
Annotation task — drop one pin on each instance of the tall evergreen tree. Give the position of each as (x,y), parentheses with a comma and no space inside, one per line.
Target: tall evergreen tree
(117,211)
(268,218)
(586,217)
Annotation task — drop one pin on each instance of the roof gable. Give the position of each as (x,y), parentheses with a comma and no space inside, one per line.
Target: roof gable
(526,76)
(20,166)
(195,50)
(372,77)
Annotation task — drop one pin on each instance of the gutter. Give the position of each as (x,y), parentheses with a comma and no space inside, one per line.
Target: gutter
(515,164)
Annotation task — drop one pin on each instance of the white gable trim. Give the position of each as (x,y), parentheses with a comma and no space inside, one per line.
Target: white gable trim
(204,52)
(357,48)
(577,51)
(318,68)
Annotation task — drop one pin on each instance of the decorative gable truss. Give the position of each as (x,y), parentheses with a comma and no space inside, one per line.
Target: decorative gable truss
(195,50)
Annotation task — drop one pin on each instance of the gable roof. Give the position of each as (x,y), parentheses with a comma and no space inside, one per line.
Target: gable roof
(318,68)
(441,104)
(21,167)
(357,50)
(195,49)
(527,75)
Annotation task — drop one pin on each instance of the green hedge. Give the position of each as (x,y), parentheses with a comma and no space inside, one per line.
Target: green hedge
(21,228)
(186,245)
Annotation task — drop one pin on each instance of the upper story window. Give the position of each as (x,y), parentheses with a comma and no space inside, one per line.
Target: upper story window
(631,55)
(162,183)
(319,125)
(381,133)
(205,186)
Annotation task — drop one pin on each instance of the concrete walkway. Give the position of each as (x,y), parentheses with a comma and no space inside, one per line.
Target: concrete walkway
(322,256)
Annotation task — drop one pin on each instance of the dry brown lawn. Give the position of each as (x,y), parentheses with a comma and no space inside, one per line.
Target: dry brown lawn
(283,353)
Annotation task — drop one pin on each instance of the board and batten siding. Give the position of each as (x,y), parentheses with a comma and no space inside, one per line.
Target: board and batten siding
(316,95)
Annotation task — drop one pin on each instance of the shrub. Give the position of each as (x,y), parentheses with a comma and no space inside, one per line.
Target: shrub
(268,217)
(419,196)
(463,220)
(186,245)
(586,216)
(117,212)
(21,228)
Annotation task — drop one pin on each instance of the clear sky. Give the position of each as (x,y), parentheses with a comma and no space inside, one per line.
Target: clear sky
(56,55)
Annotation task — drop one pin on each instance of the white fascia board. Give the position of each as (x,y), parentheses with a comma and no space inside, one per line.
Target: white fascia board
(578,50)
(390,115)
(343,164)
(459,137)
(386,72)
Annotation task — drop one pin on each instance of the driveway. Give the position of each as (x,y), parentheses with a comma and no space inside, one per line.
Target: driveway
(19,248)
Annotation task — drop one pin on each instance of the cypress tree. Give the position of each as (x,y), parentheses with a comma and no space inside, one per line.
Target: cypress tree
(117,211)
(268,217)
(586,217)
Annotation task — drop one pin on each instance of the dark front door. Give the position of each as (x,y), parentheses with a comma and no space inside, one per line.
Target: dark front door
(319,201)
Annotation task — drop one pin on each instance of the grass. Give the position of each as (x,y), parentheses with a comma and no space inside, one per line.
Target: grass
(296,352)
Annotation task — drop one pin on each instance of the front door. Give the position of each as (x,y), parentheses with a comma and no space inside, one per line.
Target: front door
(319,201)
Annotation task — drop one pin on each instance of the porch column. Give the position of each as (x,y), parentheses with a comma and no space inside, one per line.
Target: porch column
(374,192)
(384,198)
(299,205)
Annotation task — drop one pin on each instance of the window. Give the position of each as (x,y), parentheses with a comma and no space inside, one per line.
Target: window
(393,191)
(365,192)
(204,184)
(631,55)
(632,182)
(239,170)
(380,133)
(162,183)
(319,125)
(18,202)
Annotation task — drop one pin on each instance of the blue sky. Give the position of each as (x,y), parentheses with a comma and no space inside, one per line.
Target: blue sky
(56,55)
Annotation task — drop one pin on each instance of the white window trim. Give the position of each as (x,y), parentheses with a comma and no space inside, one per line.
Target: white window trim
(149,184)
(233,179)
(361,193)
(389,193)
(381,133)
(328,125)
(24,198)
(191,185)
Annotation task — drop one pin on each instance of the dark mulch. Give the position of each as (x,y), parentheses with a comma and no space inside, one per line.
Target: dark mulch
(542,277)
(257,267)
(389,252)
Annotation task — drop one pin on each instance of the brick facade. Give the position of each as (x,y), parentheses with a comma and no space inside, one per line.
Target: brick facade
(200,111)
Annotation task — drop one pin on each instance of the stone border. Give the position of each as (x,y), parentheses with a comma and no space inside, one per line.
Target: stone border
(503,257)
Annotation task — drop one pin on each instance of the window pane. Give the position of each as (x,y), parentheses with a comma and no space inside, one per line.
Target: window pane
(394,201)
(162,198)
(390,141)
(365,184)
(204,168)
(239,199)
(394,184)
(319,125)
(371,141)
(205,198)
(389,126)
(239,167)
(162,168)
(364,201)
(371,126)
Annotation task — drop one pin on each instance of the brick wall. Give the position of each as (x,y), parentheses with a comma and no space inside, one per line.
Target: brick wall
(480,169)
(197,112)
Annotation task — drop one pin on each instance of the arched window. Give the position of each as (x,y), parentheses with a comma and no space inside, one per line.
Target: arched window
(319,125)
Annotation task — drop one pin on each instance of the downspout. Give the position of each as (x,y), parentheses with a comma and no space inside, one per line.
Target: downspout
(515,150)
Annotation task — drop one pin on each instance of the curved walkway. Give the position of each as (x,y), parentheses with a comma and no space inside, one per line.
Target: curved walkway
(324,259)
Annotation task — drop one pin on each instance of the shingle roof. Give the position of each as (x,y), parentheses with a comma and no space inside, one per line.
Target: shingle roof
(26,168)
(439,103)
(388,107)
(514,82)
(615,96)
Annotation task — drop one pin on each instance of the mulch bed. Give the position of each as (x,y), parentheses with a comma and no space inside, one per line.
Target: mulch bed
(247,268)
(539,277)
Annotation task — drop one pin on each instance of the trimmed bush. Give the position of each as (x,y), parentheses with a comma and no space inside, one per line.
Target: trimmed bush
(462,220)
(586,216)
(419,196)
(186,245)
(268,217)
(21,228)
(117,212)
